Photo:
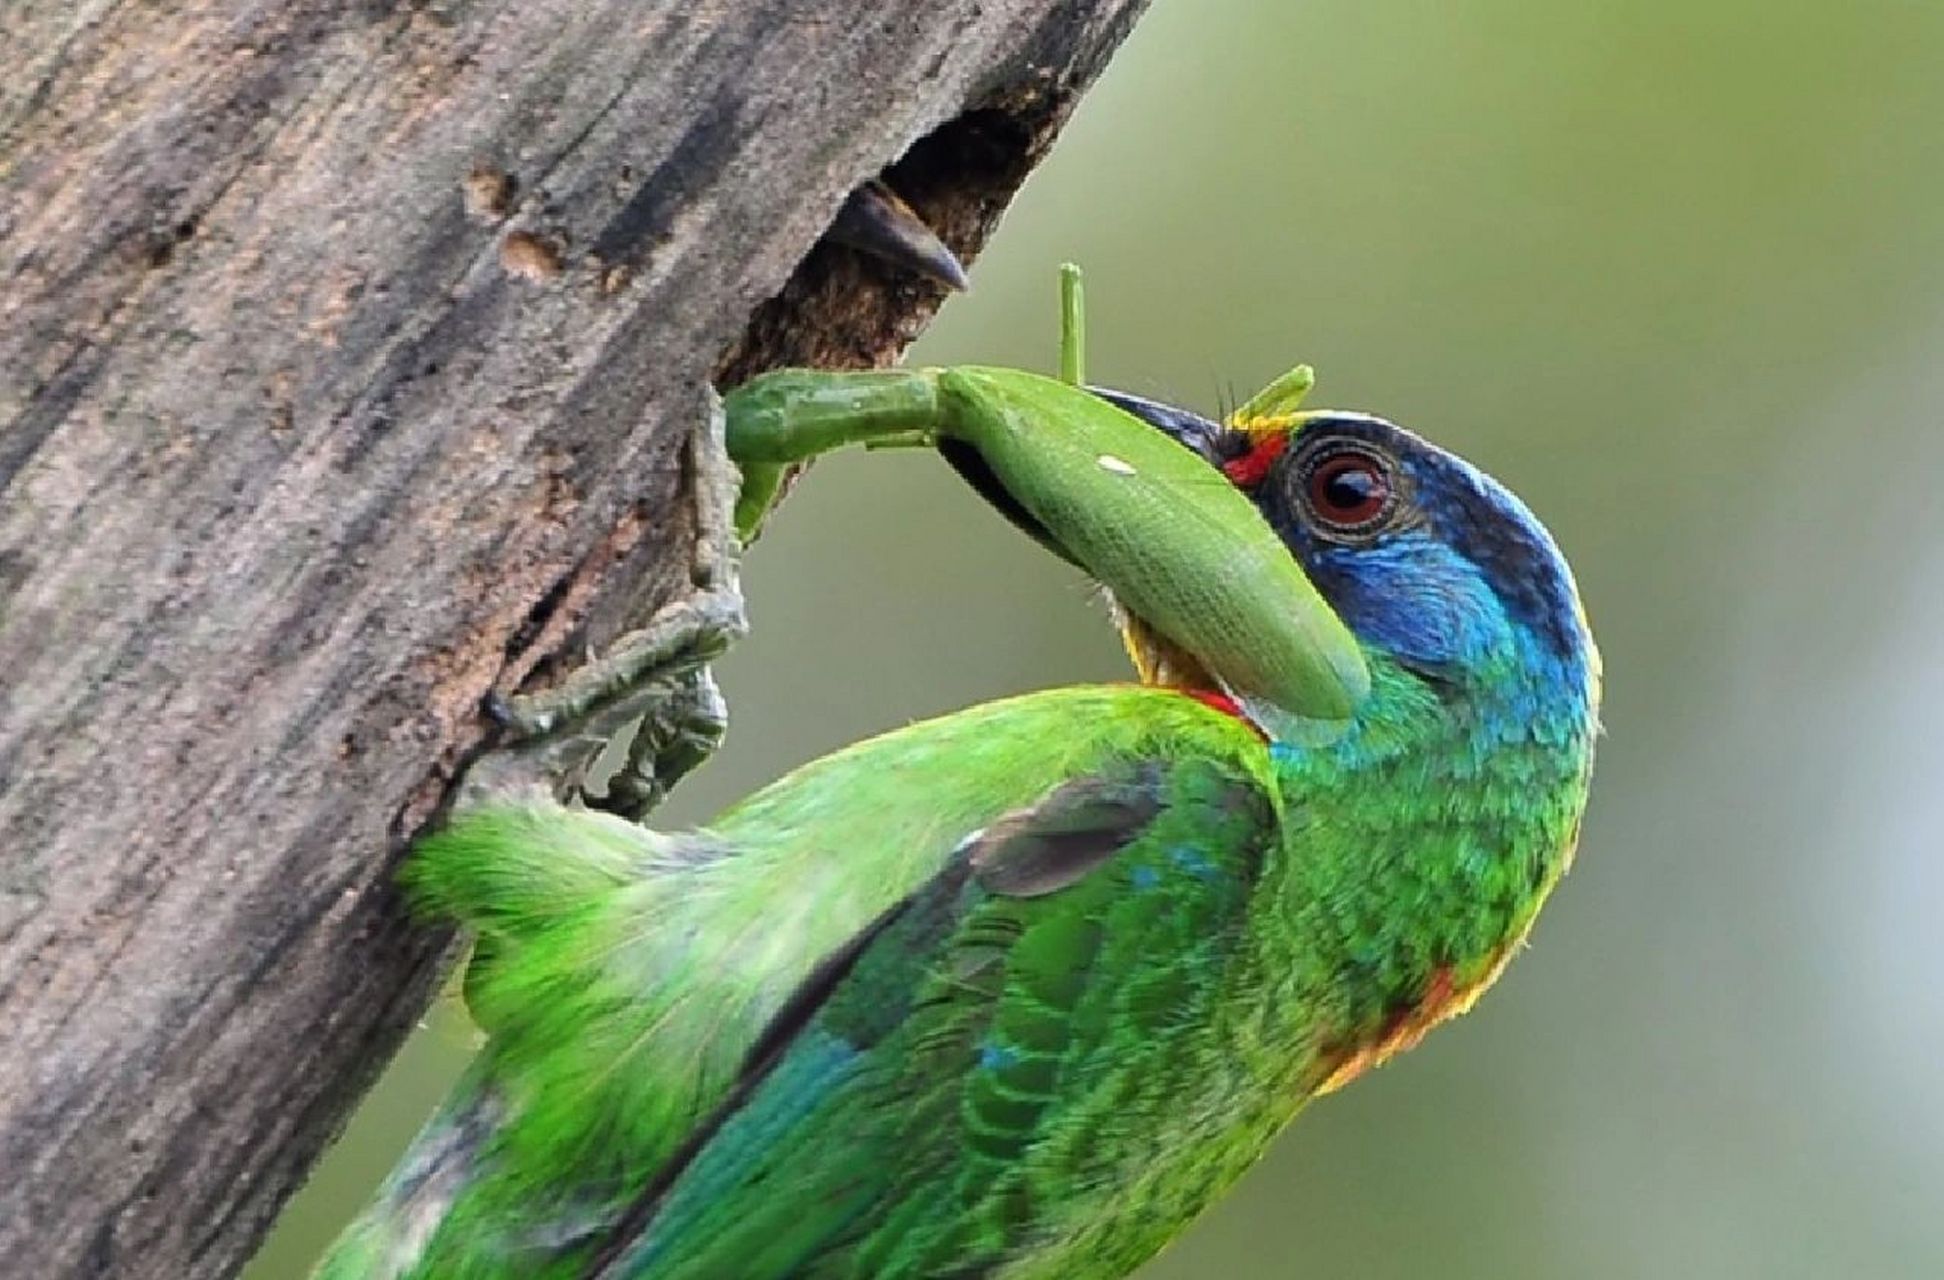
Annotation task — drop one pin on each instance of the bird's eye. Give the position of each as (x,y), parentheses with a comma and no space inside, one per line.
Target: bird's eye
(1349,491)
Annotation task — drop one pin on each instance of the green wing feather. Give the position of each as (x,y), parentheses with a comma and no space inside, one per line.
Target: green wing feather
(624,977)
(986,1075)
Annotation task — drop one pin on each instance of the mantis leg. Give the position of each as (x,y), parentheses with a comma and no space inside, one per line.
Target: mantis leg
(1073,327)
(780,419)
(790,416)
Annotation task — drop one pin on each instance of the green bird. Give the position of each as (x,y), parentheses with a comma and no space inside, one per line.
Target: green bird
(1021,990)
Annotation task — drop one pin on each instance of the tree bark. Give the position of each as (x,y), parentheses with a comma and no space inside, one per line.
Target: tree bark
(347,355)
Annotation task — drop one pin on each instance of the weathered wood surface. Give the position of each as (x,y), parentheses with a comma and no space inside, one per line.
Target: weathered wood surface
(346,355)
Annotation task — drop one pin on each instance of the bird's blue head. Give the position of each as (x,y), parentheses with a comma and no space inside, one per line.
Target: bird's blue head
(1439,570)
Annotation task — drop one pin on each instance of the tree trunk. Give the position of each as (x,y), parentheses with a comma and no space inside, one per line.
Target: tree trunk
(347,353)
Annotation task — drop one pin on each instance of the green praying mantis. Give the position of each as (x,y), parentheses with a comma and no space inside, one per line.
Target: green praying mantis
(1183,548)
(1185,552)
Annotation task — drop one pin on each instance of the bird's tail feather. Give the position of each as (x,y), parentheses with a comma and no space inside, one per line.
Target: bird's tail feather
(387,1240)
(571,977)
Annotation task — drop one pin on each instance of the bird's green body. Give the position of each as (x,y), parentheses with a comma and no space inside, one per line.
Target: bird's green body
(1018,991)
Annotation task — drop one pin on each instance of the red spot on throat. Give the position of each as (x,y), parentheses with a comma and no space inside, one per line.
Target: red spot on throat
(1219,701)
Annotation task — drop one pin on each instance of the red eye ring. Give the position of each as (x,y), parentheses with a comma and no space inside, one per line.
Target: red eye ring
(1348,490)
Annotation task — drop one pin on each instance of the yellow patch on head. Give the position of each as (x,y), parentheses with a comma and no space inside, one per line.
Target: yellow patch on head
(1260,426)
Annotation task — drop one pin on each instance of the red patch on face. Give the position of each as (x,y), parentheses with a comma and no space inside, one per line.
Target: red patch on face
(1249,470)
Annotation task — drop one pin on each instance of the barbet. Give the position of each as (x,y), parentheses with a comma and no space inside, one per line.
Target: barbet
(1020,991)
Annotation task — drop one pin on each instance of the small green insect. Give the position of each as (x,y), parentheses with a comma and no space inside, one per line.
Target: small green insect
(1021,990)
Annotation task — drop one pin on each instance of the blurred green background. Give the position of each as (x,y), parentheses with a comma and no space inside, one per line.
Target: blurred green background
(1675,272)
